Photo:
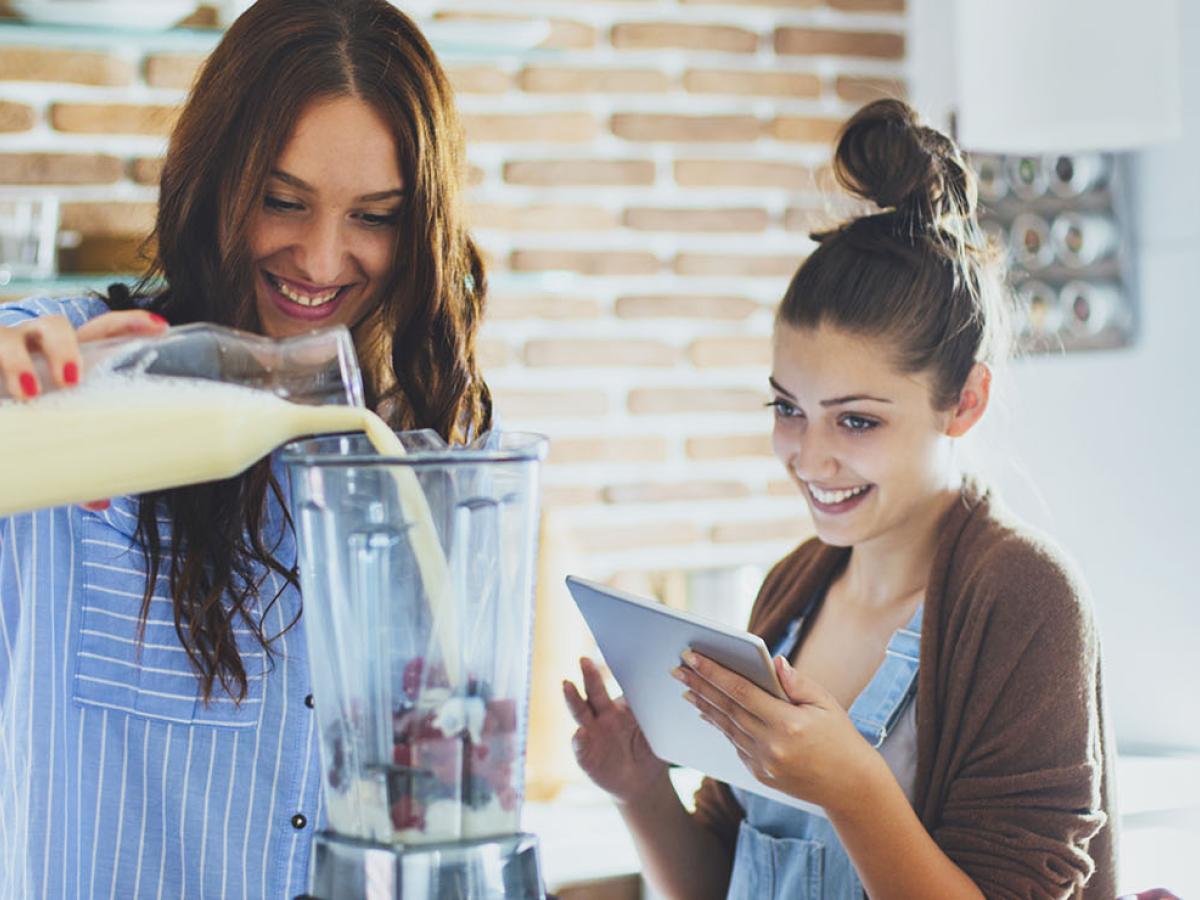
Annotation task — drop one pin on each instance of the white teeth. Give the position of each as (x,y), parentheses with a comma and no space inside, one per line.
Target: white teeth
(304,299)
(830,498)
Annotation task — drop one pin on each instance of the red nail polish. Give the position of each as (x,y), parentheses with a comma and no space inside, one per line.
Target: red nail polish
(29,385)
(71,373)
(157,319)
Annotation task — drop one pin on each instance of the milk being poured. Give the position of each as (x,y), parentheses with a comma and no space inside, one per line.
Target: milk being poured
(121,434)
(124,434)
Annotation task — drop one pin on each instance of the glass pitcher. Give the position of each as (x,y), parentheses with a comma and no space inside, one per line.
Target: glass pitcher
(420,692)
(197,403)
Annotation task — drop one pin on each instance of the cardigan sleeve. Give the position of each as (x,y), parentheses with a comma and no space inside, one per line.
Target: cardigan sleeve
(1023,755)
(718,811)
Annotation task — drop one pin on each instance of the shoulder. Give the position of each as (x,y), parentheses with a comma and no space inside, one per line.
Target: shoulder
(1012,574)
(77,309)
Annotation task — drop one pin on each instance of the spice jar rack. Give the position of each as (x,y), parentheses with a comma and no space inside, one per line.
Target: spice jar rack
(1063,224)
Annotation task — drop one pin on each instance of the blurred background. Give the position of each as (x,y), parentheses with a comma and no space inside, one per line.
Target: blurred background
(644,175)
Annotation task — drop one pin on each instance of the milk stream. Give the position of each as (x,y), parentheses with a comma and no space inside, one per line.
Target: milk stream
(120,434)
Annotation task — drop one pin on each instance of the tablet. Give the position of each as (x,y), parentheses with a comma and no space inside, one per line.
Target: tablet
(642,641)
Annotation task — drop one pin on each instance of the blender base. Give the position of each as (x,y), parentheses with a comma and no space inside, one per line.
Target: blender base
(498,868)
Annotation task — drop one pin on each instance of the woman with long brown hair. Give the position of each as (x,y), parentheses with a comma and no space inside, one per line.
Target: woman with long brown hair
(943,730)
(156,733)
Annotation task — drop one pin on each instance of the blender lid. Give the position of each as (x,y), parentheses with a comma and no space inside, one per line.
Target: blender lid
(423,447)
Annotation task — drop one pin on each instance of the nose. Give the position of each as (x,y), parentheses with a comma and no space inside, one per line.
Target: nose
(321,251)
(807,454)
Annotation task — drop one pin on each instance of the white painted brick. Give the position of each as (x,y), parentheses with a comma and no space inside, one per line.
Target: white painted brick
(575,191)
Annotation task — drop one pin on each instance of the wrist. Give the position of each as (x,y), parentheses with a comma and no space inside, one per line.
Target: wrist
(657,789)
(869,780)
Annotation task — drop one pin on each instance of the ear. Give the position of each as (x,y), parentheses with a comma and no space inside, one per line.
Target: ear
(972,401)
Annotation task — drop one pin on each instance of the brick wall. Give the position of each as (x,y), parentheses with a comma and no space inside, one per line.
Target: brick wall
(643,184)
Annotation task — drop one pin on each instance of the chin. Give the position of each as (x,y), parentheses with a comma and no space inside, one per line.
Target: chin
(843,534)
(837,538)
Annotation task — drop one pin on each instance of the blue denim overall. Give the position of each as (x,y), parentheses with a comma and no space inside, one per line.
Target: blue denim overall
(789,854)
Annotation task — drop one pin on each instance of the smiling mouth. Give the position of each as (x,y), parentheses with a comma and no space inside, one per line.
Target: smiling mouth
(833,498)
(303,298)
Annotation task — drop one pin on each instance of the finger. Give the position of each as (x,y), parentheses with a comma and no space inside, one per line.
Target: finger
(711,700)
(593,683)
(16,366)
(740,691)
(712,715)
(580,711)
(579,745)
(54,338)
(732,720)
(126,323)
(741,741)
(799,688)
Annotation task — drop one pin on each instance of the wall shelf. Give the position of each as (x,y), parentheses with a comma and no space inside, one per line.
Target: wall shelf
(16,31)
(450,39)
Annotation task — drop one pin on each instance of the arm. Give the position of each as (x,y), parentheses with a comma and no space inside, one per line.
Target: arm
(1018,768)
(807,747)
(892,852)
(682,858)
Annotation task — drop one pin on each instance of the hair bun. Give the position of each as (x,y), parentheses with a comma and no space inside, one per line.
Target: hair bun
(885,155)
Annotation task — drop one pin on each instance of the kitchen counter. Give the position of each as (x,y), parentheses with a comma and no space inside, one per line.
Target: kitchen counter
(583,838)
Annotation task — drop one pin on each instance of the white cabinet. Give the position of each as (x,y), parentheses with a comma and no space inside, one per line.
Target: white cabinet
(1035,76)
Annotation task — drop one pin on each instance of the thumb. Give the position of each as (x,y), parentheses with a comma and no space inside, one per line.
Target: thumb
(125,323)
(799,688)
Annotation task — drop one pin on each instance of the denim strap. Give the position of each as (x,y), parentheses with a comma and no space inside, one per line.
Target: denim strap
(877,708)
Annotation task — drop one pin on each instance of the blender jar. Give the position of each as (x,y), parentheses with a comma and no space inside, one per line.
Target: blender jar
(417,576)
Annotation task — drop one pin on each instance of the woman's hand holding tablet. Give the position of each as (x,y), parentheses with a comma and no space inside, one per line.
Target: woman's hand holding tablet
(643,643)
(804,745)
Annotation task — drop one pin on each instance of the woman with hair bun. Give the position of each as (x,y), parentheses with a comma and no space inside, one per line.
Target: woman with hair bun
(945,711)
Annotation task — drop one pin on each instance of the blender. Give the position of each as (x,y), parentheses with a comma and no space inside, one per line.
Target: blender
(417,574)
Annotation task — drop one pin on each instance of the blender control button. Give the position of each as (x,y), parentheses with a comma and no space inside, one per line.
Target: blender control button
(308,701)
(299,821)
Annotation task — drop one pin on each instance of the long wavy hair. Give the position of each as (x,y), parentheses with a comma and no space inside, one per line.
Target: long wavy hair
(416,344)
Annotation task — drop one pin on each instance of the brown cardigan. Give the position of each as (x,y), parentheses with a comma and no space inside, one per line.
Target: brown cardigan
(1014,768)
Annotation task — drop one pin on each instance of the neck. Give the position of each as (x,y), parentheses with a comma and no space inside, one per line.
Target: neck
(891,569)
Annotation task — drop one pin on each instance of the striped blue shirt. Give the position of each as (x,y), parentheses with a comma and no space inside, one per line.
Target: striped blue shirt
(115,779)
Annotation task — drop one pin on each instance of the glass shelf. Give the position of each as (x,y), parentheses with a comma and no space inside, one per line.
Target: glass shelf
(450,39)
(17,31)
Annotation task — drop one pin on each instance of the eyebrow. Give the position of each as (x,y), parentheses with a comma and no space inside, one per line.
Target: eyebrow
(833,401)
(305,186)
